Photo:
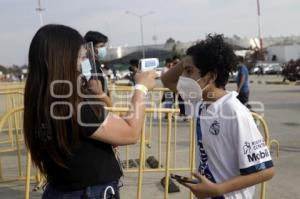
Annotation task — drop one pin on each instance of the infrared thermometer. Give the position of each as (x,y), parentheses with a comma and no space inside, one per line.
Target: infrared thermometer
(148,64)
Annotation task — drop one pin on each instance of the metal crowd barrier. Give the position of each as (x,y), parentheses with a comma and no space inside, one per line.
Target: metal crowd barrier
(13,110)
(18,148)
(167,168)
(269,143)
(11,99)
(121,96)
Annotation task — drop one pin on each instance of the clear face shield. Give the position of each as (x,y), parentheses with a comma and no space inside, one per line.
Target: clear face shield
(88,64)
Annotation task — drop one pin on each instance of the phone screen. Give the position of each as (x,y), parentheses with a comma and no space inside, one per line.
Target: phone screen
(184,179)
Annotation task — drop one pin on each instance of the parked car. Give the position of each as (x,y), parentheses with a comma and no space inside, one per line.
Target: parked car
(275,68)
(267,68)
(233,76)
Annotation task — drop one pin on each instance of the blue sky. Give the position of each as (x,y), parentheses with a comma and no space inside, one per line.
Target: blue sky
(184,20)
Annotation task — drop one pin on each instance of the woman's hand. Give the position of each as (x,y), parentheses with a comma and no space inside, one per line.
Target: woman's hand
(205,188)
(170,78)
(96,86)
(146,78)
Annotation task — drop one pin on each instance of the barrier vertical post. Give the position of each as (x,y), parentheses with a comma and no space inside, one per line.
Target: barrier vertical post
(28,175)
(1,176)
(18,145)
(167,171)
(267,141)
(175,132)
(151,123)
(193,147)
(10,131)
(160,129)
(141,165)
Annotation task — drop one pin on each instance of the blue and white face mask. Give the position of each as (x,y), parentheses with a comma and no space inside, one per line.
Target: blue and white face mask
(102,52)
(86,68)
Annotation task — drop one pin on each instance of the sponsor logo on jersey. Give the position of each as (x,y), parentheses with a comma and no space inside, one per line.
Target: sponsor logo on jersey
(247,148)
(215,128)
(258,156)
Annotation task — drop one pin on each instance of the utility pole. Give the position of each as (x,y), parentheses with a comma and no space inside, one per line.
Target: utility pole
(260,28)
(40,10)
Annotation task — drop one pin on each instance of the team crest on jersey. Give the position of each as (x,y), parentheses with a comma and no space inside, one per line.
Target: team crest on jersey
(215,128)
(247,148)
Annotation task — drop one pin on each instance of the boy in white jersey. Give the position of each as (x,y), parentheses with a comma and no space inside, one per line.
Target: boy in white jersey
(232,155)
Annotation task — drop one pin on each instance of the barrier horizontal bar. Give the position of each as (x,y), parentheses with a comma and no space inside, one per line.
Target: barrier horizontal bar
(11,179)
(9,113)
(147,110)
(11,149)
(155,170)
(131,88)
(11,92)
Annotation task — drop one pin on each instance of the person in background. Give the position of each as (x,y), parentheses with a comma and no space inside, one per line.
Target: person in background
(243,82)
(133,68)
(168,65)
(232,154)
(100,81)
(168,97)
(181,102)
(70,138)
(176,60)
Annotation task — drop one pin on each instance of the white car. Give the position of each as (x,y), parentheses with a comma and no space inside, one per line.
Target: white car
(233,76)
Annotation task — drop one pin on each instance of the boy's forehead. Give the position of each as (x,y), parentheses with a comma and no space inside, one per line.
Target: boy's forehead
(99,45)
(190,66)
(188,61)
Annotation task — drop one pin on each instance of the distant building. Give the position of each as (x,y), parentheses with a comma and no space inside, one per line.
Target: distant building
(283,53)
(285,48)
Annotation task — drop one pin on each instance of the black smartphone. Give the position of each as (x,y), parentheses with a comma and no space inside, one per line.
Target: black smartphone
(184,179)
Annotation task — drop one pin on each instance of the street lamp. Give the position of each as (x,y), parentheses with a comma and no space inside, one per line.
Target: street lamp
(40,10)
(260,28)
(141,26)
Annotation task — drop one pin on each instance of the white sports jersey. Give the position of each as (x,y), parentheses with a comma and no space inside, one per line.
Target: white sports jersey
(230,144)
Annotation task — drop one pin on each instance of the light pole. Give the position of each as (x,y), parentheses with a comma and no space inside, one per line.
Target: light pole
(40,10)
(141,27)
(260,27)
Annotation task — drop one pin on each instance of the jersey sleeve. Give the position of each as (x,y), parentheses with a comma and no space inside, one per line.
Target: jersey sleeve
(253,153)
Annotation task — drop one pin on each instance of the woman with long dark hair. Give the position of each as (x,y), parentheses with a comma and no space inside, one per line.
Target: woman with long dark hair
(70,137)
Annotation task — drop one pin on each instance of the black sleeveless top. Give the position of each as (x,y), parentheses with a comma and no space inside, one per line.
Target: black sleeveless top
(93,162)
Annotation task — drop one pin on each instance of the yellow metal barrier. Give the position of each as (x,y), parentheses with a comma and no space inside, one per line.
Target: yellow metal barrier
(266,135)
(153,111)
(121,96)
(167,168)
(9,86)
(12,99)
(18,148)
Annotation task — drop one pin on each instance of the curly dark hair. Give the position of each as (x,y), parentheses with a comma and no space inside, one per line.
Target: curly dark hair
(214,55)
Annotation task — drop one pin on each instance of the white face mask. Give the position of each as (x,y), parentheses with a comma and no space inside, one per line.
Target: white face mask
(86,68)
(102,53)
(189,89)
